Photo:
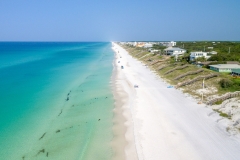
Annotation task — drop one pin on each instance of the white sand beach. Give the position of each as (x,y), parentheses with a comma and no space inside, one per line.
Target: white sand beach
(162,123)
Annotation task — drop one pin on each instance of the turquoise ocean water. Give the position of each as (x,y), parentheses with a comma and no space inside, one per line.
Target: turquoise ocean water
(55,100)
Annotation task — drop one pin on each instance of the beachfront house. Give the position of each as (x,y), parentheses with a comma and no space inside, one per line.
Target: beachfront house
(134,44)
(153,50)
(224,67)
(215,62)
(195,55)
(236,72)
(173,43)
(172,51)
(168,44)
(140,44)
(148,45)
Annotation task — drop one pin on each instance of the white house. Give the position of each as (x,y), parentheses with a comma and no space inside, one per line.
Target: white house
(174,51)
(195,55)
(135,44)
(224,67)
(168,44)
(173,43)
(148,45)
(152,50)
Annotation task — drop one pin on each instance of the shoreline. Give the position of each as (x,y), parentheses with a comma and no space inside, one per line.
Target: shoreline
(121,143)
(162,123)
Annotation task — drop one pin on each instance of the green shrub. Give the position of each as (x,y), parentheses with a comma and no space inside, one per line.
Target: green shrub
(225,83)
(218,102)
(236,81)
(224,115)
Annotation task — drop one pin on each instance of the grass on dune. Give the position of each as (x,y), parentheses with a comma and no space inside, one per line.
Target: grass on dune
(169,64)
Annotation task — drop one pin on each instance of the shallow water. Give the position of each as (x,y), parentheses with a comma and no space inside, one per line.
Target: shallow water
(55,100)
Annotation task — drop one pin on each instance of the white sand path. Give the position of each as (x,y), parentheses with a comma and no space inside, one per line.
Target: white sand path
(163,124)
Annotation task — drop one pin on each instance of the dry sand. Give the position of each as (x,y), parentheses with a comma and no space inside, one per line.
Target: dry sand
(155,122)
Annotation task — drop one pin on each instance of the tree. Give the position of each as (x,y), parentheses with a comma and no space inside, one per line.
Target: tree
(200,59)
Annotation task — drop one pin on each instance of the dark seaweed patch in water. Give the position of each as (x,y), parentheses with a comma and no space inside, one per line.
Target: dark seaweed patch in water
(42,136)
(60,113)
(67,99)
(40,151)
(91,101)
(91,76)
(68,95)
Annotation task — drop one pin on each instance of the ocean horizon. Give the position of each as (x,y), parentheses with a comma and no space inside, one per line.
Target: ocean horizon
(56,100)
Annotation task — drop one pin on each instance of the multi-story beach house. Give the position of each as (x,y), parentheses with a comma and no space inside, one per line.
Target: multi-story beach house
(224,67)
(172,51)
(195,55)
(168,44)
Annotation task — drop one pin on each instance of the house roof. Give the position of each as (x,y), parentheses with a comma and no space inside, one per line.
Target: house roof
(198,52)
(206,63)
(173,49)
(236,66)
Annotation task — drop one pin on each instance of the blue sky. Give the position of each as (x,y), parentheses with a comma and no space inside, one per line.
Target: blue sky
(119,20)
